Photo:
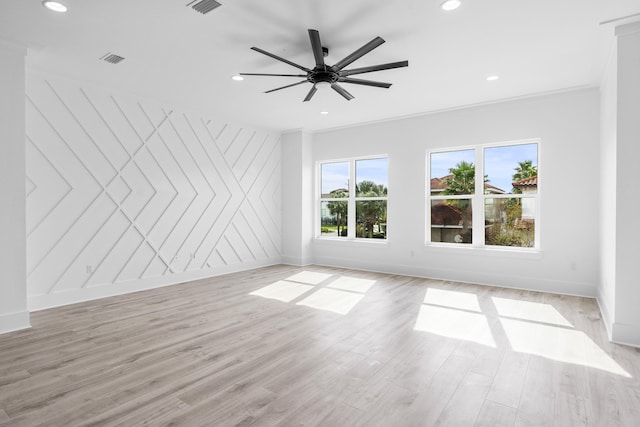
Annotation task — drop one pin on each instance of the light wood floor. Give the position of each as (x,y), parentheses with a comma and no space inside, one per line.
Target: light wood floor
(285,346)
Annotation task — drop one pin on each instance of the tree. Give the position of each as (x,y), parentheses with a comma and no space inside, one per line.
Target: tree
(461,180)
(370,189)
(371,212)
(339,209)
(513,231)
(525,170)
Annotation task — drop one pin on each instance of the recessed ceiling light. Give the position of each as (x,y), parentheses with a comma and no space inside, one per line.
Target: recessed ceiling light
(450,5)
(237,78)
(324,113)
(492,78)
(55,6)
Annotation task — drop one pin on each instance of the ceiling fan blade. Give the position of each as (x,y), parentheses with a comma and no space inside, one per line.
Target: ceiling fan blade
(372,68)
(342,91)
(276,75)
(316,45)
(284,87)
(310,94)
(286,61)
(358,53)
(364,82)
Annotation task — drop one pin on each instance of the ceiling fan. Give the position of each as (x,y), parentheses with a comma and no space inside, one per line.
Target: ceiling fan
(325,75)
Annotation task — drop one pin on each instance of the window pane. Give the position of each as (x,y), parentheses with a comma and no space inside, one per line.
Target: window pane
(451,221)
(333,222)
(372,177)
(452,172)
(510,222)
(511,169)
(335,179)
(371,219)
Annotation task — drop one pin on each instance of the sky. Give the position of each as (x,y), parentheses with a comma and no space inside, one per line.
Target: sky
(336,175)
(499,162)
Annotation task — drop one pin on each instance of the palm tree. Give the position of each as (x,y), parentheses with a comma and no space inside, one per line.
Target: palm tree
(371,212)
(525,170)
(461,180)
(339,209)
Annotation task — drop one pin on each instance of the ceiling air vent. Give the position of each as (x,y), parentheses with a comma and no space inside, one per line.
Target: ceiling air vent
(112,59)
(204,6)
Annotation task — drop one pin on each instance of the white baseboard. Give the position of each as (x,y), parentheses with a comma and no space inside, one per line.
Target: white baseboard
(618,333)
(626,334)
(14,321)
(297,261)
(72,296)
(514,282)
(605,314)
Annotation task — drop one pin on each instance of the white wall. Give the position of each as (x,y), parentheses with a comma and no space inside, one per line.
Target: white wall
(626,328)
(567,125)
(126,194)
(13,296)
(297,184)
(608,183)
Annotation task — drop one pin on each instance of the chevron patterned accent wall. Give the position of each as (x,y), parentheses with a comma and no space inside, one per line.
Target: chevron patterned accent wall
(124,194)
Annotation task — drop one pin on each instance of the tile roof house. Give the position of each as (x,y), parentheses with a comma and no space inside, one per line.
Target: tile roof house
(526,185)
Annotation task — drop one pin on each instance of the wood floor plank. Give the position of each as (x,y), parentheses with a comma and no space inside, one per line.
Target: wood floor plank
(488,361)
(509,380)
(214,352)
(342,415)
(465,404)
(387,405)
(495,415)
(537,403)
(72,411)
(138,412)
(434,397)
(8,378)
(572,410)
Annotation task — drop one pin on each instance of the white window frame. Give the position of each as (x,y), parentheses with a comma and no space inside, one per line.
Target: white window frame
(478,199)
(351,200)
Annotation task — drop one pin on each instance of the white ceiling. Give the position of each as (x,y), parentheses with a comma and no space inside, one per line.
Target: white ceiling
(178,56)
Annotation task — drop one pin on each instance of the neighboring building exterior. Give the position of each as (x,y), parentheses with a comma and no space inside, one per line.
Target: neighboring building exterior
(527,186)
(448,219)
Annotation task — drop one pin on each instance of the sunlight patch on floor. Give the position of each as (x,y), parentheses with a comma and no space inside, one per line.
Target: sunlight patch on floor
(353,284)
(526,310)
(561,344)
(452,299)
(338,296)
(454,323)
(340,302)
(309,277)
(282,291)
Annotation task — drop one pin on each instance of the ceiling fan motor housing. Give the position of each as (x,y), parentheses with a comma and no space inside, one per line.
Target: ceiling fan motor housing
(327,75)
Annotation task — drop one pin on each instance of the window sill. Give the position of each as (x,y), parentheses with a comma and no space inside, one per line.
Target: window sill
(501,252)
(354,241)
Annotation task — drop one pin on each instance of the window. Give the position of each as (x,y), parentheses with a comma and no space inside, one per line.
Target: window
(502,212)
(353,198)
(452,187)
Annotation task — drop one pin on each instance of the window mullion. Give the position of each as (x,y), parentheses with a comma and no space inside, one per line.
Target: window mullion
(478,201)
(351,209)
